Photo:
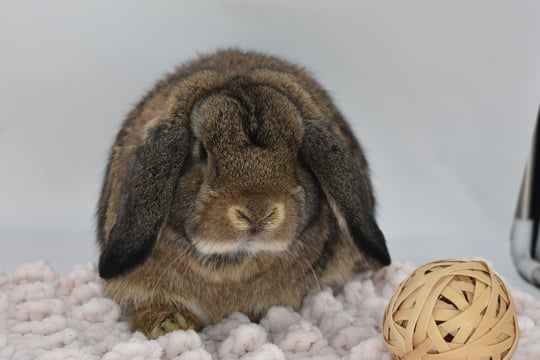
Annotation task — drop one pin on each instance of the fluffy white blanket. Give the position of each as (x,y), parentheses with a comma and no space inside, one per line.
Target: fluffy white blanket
(44,316)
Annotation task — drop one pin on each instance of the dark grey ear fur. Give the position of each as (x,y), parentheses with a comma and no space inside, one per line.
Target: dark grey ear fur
(341,179)
(145,197)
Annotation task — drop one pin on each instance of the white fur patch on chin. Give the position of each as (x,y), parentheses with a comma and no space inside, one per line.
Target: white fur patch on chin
(251,246)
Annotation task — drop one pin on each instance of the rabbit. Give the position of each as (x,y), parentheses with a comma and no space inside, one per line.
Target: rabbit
(235,185)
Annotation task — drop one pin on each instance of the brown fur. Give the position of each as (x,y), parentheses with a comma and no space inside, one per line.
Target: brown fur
(258,193)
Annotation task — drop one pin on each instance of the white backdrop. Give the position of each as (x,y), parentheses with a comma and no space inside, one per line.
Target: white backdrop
(443,95)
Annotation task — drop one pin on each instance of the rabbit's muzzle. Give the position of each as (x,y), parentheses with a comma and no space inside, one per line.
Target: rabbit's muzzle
(256,217)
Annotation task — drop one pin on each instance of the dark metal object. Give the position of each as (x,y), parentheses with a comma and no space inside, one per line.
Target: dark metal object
(525,244)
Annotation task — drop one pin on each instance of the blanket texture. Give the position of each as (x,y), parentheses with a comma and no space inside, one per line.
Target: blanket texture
(45,316)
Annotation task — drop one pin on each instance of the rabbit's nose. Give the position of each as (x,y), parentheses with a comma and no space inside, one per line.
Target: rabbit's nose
(254,220)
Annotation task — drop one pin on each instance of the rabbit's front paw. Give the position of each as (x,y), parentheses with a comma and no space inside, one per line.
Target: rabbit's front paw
(154,322)
(177,321)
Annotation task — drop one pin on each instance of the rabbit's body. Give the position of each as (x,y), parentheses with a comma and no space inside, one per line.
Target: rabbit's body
(235,185)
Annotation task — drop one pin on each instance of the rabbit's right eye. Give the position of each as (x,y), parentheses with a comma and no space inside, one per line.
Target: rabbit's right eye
(202,155)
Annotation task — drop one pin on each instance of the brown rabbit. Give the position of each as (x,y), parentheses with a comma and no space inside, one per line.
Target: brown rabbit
(235,185)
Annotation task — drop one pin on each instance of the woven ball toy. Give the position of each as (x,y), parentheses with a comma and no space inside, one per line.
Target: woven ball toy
(451,310)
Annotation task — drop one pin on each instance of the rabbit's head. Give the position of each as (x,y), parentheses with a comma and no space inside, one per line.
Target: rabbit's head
(238,166)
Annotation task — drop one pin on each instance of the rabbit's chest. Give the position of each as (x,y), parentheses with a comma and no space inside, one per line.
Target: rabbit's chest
(252,298)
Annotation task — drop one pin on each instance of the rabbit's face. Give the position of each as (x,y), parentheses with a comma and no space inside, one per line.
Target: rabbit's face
(246,190)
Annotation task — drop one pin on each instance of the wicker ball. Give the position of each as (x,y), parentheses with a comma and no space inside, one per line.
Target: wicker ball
(451,309)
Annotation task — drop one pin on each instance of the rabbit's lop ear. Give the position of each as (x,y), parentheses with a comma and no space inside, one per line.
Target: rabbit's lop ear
(145,197)
(345,185)
(152,173)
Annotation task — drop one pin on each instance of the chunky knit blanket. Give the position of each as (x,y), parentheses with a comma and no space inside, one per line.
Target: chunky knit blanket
(46,316)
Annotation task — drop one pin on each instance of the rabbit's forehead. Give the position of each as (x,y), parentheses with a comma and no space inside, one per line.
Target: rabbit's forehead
(254,117)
